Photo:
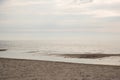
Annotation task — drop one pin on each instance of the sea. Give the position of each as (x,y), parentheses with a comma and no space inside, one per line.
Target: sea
(38,49)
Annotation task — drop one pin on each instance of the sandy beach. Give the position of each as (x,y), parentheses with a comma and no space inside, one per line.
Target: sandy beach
(21,69)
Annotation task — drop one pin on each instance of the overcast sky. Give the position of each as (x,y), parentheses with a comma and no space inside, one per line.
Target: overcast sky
(60,19)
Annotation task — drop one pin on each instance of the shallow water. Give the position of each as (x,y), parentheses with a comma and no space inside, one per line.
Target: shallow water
(41,50)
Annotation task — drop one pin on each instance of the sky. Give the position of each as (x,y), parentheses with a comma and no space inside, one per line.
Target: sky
(60,19)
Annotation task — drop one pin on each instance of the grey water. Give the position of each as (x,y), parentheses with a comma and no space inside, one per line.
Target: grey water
(58,47)
(47,50)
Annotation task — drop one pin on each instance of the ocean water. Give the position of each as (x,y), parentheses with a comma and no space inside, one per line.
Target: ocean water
(39,50)
(59,47)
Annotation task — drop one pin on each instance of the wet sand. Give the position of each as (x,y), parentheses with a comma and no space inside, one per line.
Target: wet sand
(19,69)
(92,56)
(3,49)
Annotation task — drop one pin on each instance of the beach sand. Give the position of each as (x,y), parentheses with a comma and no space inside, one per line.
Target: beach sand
(19,69)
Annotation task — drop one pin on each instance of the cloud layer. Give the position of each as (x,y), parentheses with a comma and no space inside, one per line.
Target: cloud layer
(95,8)
(60,17)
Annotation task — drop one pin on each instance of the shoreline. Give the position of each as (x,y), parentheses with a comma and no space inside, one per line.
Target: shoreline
(16,59)
(22,69)
(68,58)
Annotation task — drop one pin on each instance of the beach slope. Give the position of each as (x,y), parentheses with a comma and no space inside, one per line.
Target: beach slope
(19,69)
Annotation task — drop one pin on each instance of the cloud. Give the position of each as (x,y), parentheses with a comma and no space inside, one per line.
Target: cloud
(95,8)
(32,16)
(13,3)
(26,7)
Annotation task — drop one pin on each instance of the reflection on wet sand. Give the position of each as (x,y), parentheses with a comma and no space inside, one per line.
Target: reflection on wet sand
(3,49)
(92,56)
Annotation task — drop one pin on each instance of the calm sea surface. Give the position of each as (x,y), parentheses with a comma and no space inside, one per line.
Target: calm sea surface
(39,50)
(58,47)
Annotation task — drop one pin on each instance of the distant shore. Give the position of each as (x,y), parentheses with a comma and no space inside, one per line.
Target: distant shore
(19,69)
